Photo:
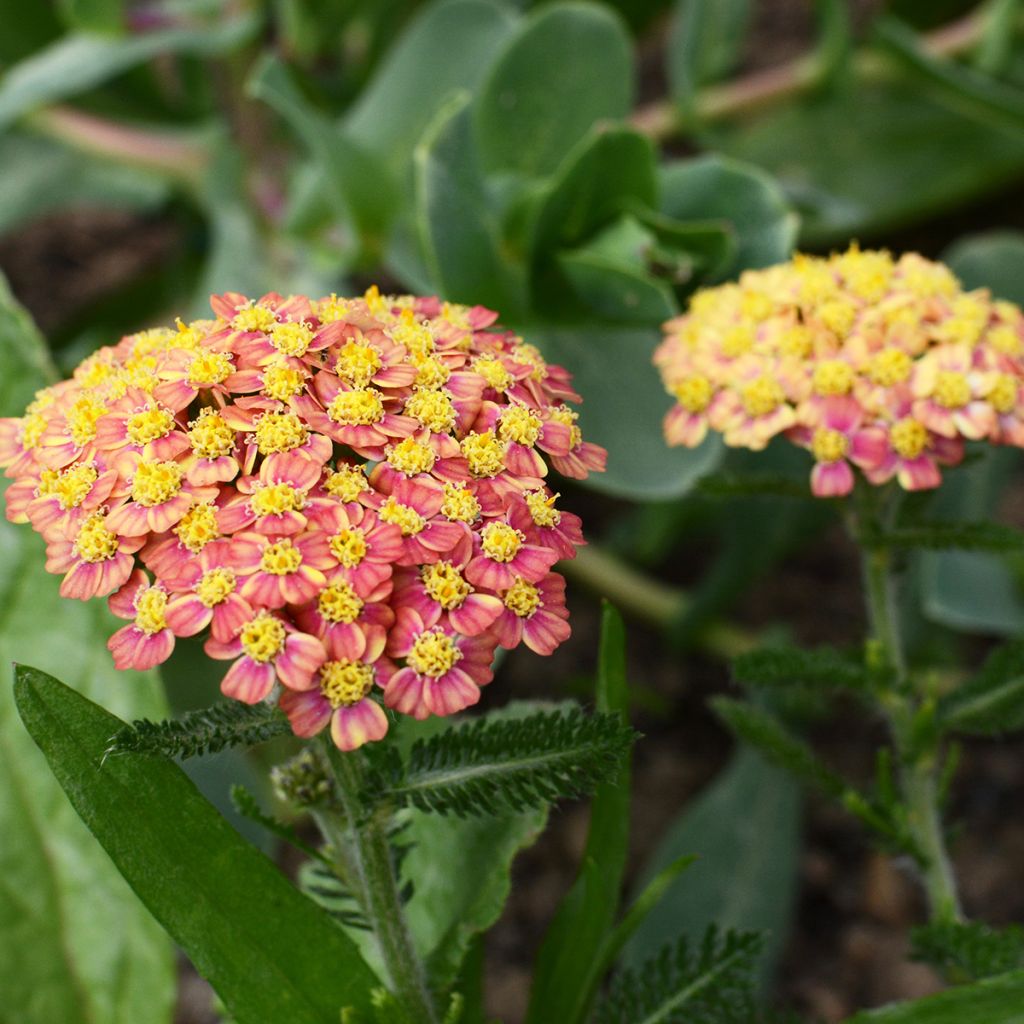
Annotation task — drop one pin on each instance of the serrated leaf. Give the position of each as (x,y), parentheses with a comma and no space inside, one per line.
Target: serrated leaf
(793,666)
(970,950)
(993,701)
(938,536)
(563,981)
(535,105)
(197,876)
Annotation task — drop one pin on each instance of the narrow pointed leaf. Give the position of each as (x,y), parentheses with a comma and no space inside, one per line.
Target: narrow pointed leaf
(993,701)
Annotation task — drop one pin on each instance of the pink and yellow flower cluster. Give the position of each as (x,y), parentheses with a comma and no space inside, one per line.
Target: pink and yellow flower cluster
(349,495)
(867,361)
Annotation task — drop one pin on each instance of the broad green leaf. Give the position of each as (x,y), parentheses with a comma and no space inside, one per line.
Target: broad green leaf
(993,701)
(623,411)
(745,831)
(743,196)
(448,47)
(457,230)
(992,260)
(563,980)
(81,61)
(270,953)
(859,161)
(78,946)
(569,66)
(998,1000)
(703,44)
(93,15)
(616,291)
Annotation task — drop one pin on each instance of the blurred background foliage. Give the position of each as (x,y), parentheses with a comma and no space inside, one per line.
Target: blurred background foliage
(580,167)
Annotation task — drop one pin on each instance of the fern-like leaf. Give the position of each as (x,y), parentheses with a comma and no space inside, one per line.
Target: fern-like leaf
(320,884)
(487,766)
(969,951)
(944,536)
(710,984)
(206,731)
(247,805)
(789,666)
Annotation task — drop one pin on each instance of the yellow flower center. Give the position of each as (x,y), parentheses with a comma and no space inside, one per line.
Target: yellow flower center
(530,355)
(282,382)
(460,504)
(890,366)
(208,368)
(433,654)
(291,339)
(345,682)
(280,432)
(281,559)
(908,438)
(431,373)
(32,427)
(1003,396)
(867,274)
(415,337)
(149,425)
(198,527)
(828,445)
(832,377)
(71,487)
(542,509)
(694,393)
(927,280)
(254,318)
(484,453)
(522,598)
(276,499)
(94,372)
(263,638)
(410,457)
(795,342)
(216,586)
(952,389)
(81,419)
(1006,340)
(149,610)
(95,543)
(346,483)
(762,396)
(210,436)
(501,542)
(445,585)
(360,408)
(331,309)
(407,519)
(339,603)
(493,371)
(737,341)
(156,482)
(376,303)
(349,546)
(838,316)
(357,363)
(520,426)
(432,409)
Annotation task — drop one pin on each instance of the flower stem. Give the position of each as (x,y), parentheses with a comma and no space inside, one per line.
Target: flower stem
(364,860)
(917,756)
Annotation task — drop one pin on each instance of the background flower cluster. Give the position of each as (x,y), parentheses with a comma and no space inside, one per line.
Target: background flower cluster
(349,495)
(865,360)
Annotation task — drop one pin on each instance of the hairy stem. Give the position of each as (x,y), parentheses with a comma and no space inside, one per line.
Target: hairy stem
(918,758)
(364,862)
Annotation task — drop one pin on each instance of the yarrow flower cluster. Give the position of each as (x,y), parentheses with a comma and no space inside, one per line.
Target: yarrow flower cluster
(348,494)
(862,359)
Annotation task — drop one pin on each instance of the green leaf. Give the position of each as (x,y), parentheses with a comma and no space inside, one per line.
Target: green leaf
(969,950)
(458,233)
(938,536)
(745,830)
(745,197)
(446,48)
(623,411)
(535,104)
(616,291)
(993,1001)
(197,876)
(93,15)
(530,761)
(78,946)
(563,983)
(993,260)
(79,62)
(793,666)
(703,45)
(993,701)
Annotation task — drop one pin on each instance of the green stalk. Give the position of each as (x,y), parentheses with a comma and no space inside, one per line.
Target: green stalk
(918,758)
(363,861)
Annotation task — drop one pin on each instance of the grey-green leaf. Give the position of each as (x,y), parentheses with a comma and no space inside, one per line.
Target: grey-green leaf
(270,953)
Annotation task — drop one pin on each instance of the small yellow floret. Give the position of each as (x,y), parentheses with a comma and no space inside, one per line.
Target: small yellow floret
(518,425)
(484,453)
(493,371)
(216,586)
(376,303)
(445,585)
(198,527)
(360,408)
(210,436)
(280,432)
(263,638)
(357,363)
(349,546)
(407,519)
(694,393)
(149,425)
(828,445)
(281,381)
(32,427)
(156,482)
(542,509)
(254,318)
(95,543)
(339,603)
(345,682)
(908,438)
(431,373)
(82,418)
(410,457)
(762,396)
(530,355)
(890,366)
(433,654)
(209,368)
(276,499)
(952,389)
(460,504)
(291,339)
(73,485)
(522,598)
(1004,394)
(501,542)
(150,606)
(346,483)
(431,409)
(795,342)
(832,377)
(333,308)
(281,559)
(1006,340)
(737,341)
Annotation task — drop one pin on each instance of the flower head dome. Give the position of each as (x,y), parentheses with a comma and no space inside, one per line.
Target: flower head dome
(867,361)
(347,497)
